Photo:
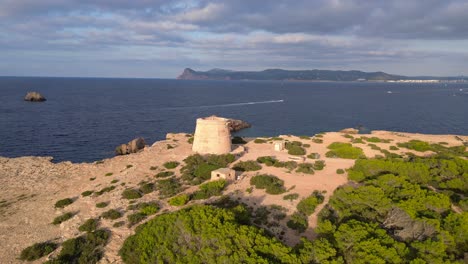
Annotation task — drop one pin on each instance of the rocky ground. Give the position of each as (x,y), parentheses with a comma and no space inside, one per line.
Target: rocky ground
(30,186)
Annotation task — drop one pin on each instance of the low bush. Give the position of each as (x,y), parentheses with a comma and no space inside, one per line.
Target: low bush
(358,141)
(306,145)
(209,189)
(417,145)
(112,214)
(348,136)
(307,205)
(344,151)
(190,140)
(249,165)
(164,174)
(64,202)
(118,224)
(89,225)
(149,208)
(114,181)
(179,200)
(62,218)
(168,187)
(291,196)
(294,148)
(83,249)
(340,171)
(109,174)
(105,190)
(198,168)
(146,188)
(260,141)
(86,193)
(102,204)
(298,222)
(129,166)
(38,251)
(131,194)
(153,168)
(271,184)
(304,137)
(307,168)
(267,160)
(135,218)
(171,164)
(317,140)
(319,165)
(313,156)
(394,148)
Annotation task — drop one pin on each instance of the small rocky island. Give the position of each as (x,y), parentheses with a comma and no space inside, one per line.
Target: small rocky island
(34,97)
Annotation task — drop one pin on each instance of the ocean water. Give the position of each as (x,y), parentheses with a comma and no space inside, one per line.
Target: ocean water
(84,119)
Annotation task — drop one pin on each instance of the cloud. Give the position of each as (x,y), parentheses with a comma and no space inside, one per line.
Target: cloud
(351,34)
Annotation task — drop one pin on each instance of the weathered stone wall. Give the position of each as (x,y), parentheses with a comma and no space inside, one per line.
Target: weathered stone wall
(212,136)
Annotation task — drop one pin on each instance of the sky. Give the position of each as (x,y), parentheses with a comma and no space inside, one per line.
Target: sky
(159,38)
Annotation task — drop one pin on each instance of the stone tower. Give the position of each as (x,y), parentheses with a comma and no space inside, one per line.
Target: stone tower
(212,136)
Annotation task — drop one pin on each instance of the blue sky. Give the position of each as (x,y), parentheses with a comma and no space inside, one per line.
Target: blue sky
(158,39)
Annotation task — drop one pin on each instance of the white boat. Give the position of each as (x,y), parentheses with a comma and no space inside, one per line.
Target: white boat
(389,92)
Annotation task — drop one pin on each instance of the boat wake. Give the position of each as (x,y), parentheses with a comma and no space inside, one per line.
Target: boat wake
(226,105)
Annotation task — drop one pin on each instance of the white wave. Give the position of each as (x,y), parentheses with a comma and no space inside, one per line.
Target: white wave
(227,105)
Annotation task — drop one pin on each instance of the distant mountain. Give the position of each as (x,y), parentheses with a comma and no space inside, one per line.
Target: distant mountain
(300,75)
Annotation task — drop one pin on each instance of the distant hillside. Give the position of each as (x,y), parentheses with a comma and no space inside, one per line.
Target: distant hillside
(299,75)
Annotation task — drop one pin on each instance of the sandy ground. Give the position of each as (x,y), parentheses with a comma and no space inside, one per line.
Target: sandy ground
(30,186)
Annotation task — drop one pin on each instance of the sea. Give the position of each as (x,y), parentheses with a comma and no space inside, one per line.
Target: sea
(84,119)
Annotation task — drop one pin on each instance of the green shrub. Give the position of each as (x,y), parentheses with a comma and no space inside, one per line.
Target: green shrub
(313,156)
(348,136)
(114,181)
(111,214)
(168,187)
(179,200)
(190,140)
(102,204)
(298,222)
(89,225)
(62,218)
(198,168)
(135,218)
(291,196)
(168,146)
(149,208)
(86,193)
(131,194)
(129,166)
(294,148)
(164,174)
(38,251)
(317,140)
(344,151)
(146,188)
(319,165)
(340,171)
(372,139)
(271,184)
(307,168)
(394,148)
(92,179)
(118,224)
(306,145)
(249,165)
(105,190)
(238,140)
(249,190)
(358,141)
(417,145)
(171,164)
(260,141)
(197,228)
(153,168)
(83,249)
(307,205)
(109,174)
(304,137)
(64,202)
(267,160)
(209,189)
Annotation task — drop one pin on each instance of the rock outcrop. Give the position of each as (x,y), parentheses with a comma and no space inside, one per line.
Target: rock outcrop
(350,131)
(34,97)
(131,147)
(236,125)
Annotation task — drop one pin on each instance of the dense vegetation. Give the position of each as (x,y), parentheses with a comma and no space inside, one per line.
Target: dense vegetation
(64,202)
(37,251)
(62,218)
(212,188)
(344,151)
(198,168)
(295,148)
(271,161)
(271,184)
(220,240)
(249,165)
(307,205)
(399,212)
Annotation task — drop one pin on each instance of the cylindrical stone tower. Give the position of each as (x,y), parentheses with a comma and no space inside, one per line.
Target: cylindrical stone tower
(212,136)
